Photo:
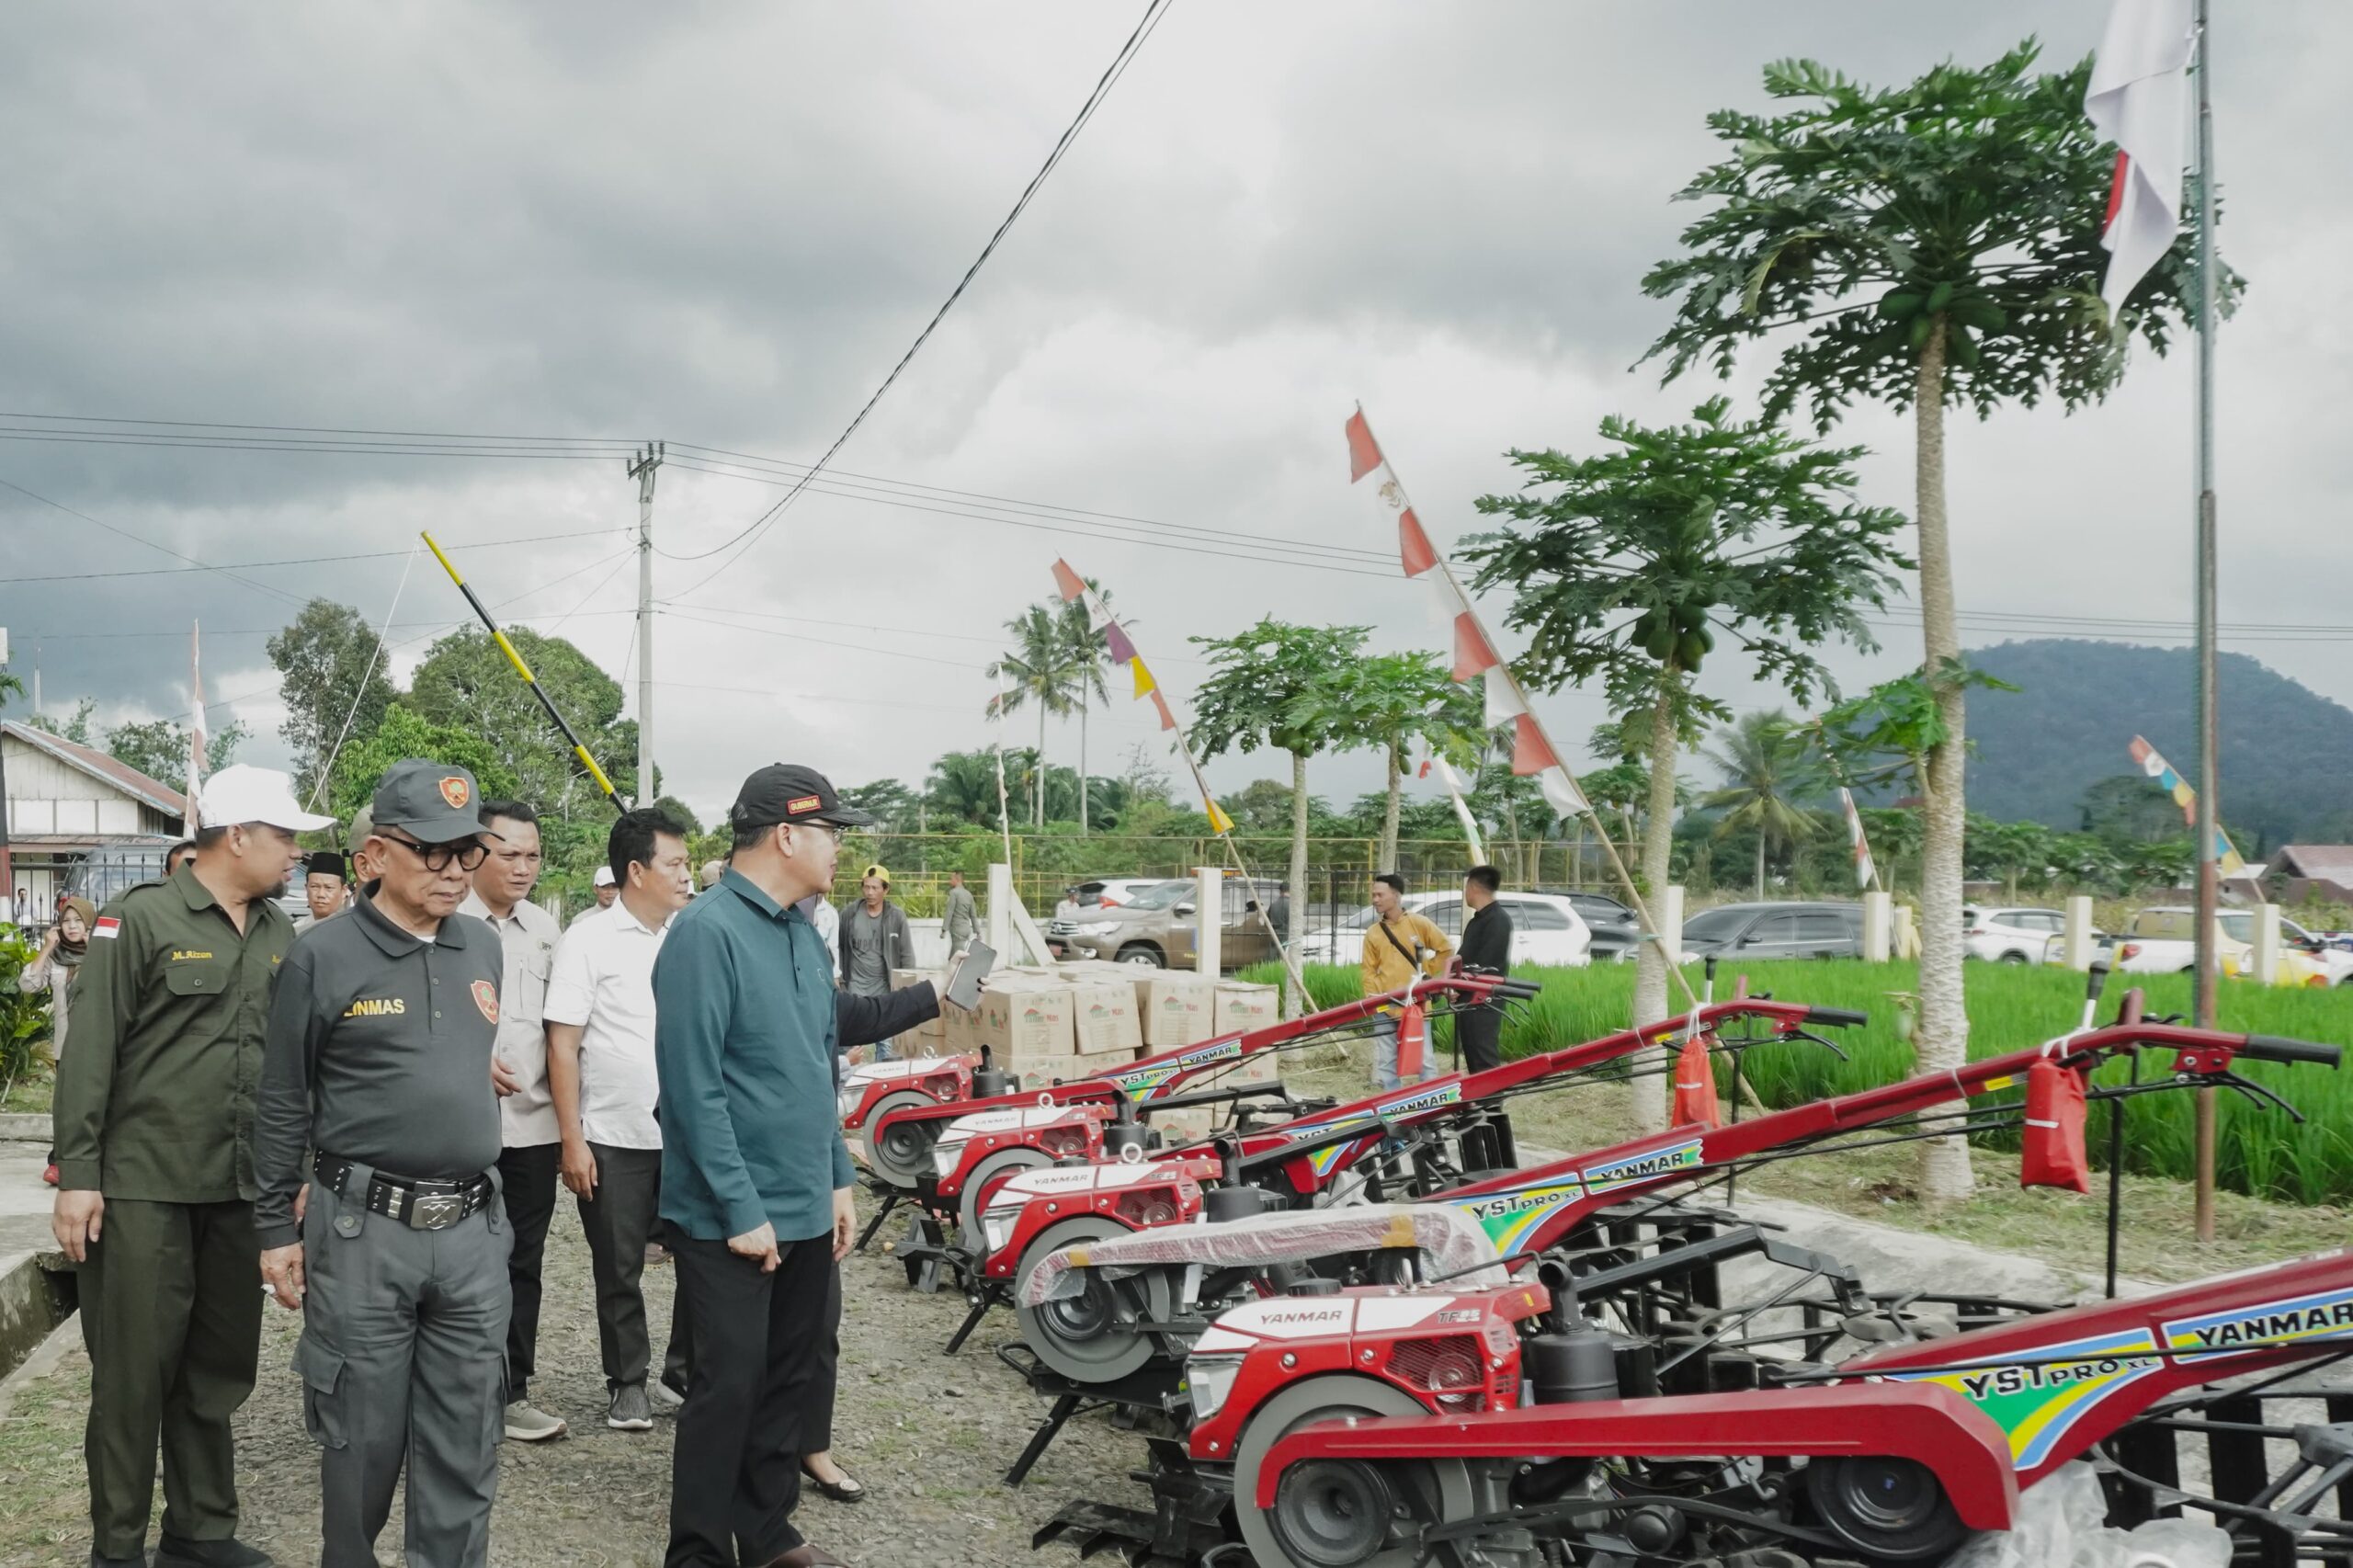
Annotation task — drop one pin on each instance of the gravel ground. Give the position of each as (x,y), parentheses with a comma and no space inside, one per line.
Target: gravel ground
(930,1437)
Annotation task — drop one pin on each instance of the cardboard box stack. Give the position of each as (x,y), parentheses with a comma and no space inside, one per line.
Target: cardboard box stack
(1178,1010)
(1243,1006)
(929,1039)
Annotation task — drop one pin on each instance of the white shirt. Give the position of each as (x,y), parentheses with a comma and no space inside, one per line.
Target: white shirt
(604,982)
(528,934)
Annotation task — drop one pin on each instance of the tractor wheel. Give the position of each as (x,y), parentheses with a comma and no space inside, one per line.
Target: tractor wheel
(1888,1509)
(901,1155)
(1092,1338)
(1340,1514)
(982,1185)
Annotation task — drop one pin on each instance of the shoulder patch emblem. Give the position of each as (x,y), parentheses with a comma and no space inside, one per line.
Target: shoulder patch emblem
(486,998)
(109,926)
(454,789)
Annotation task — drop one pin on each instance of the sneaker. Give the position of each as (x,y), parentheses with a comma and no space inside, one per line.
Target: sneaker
(629,1411)
(174,1553)
(664,1399)
(528,1423)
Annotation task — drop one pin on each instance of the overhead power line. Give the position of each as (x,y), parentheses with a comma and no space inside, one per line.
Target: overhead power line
(1146,25)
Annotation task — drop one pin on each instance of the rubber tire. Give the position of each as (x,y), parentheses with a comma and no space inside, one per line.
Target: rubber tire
(1324,1398)
(1144,955)
(2014,957)
(1110,1365)
(991,1172)
(903,1178)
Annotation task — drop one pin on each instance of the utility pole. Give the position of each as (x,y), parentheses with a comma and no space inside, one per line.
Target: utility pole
(2209,802)
(641,468)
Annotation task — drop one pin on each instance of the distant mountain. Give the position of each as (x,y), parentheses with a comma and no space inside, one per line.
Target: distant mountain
(2287,752)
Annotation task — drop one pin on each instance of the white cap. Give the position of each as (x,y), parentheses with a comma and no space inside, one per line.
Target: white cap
(604,877)
(244,793)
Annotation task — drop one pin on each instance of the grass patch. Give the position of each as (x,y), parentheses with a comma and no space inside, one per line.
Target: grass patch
(2011,1007)
(30,1093)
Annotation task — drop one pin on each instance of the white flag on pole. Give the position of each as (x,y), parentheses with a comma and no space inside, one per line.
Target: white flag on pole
(1864,873)
(195,743)
(2138,99)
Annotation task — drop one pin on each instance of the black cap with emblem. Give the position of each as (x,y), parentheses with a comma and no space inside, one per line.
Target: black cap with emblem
(434,800)
(324,863)
(785,791)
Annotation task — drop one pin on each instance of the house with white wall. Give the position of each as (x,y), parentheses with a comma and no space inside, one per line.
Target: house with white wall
(78,822)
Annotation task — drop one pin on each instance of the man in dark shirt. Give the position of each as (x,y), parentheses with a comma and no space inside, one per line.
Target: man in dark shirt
(378,1058)
(1486,949)
(755,1181)
(153,1116)
(875,939)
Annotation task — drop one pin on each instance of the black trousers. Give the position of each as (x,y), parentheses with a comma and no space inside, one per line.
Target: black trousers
(759,1342)
(817,1427)
(618,1219)
(1478,1034)
(528,1177)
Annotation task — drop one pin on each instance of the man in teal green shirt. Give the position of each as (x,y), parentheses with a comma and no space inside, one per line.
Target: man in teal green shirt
(755,1180)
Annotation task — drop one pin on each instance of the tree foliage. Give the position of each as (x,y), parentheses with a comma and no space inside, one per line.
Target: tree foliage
(1852,224)
(466,684)
(1624,564)
(404,733)
(331,680)
(1768,777)
(158,748)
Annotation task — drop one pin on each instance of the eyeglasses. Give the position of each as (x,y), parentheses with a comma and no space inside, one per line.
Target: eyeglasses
(838,832)
(437,856)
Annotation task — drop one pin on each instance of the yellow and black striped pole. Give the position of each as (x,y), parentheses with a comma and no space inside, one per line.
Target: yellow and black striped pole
(524,670)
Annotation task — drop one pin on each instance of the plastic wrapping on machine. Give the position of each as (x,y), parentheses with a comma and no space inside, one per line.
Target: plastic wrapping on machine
(1451,1241)
(2060,1526)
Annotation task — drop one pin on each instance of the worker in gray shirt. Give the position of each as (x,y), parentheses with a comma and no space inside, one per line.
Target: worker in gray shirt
(377,1068)
(963,922)
(876,940)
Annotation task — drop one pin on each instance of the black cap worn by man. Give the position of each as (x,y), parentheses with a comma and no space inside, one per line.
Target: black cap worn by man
(787,792)
(432,802)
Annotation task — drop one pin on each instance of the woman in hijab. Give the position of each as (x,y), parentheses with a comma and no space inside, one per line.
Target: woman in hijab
(52,970)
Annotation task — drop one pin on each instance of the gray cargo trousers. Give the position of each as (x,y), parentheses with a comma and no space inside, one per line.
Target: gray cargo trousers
(403,1360)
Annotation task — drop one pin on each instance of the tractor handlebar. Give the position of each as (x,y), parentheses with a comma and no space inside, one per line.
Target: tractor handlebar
(1836,1017)
(2279,1048)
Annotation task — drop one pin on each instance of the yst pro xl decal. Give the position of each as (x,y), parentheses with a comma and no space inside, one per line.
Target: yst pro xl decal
(2036,1405)
(1148,1083)
(1508,1217)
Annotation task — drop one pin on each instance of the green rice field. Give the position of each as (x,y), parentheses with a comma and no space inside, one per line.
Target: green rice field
(2260,1151)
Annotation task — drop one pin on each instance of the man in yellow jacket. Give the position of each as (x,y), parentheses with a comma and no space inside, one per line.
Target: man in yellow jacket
(1398,946)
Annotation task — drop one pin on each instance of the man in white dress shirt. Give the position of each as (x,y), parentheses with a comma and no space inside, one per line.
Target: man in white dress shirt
(600,1058)
(526,1156)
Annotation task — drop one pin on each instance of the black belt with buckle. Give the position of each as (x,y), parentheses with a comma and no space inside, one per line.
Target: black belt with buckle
(418,1204)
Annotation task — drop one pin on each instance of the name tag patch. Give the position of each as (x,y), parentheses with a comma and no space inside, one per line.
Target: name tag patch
(185,955)
(377,1007)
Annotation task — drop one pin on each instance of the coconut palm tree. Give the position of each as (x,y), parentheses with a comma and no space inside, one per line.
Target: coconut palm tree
(1043,675)
(1765,770)
(1088,658)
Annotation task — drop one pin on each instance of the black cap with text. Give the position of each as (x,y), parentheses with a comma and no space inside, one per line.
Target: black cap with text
(787,792)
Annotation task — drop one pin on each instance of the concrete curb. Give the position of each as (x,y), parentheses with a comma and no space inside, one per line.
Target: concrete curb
(32,1304)
(24,1125)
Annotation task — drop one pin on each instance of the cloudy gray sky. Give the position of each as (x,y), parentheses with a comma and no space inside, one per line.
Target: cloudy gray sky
(721,224)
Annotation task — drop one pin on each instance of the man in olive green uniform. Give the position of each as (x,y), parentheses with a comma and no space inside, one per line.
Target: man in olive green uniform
(154,1120)
(376,1086)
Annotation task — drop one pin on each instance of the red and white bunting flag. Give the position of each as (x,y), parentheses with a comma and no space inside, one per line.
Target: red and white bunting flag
(1503,698)
(2138,99)
(196,743)
(1531,752)
(1364,453)
(1864,872)
(1115,639)
(1414,552)
(1473,653)
(1462,807)
(1561,792)
(1167,719)
(1066,582)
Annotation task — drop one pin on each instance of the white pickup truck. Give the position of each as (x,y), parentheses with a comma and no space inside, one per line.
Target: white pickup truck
(2161,941)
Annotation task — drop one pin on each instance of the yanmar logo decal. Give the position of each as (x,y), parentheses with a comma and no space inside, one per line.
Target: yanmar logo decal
(1301,1317)
(2296,1321)
(1643,1167)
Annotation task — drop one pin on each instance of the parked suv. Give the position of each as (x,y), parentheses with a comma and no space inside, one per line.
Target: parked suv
(2011,936)
(1545,929)
(1776,931)
(1617,935)
(2164,942)
(1155,927)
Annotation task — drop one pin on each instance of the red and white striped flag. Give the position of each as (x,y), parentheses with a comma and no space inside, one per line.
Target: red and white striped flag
(2137,99)
(1865,872)
(1474,650)
(195,731)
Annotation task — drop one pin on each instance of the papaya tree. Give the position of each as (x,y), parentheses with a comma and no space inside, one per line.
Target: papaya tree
(1265,687)
(1387,701)
(1624,566)
(1927,245)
